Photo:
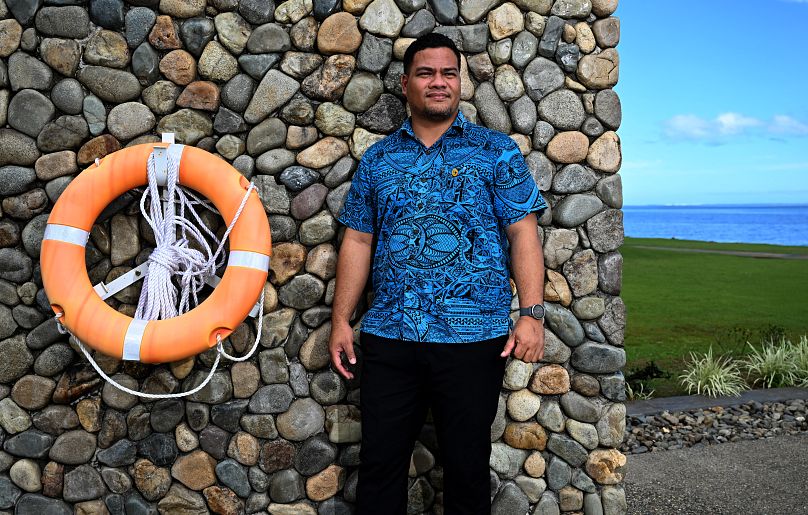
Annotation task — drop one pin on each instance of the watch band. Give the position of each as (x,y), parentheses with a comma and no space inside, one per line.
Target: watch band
(535,311)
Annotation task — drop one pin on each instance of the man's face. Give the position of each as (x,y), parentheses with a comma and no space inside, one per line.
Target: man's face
(432,86)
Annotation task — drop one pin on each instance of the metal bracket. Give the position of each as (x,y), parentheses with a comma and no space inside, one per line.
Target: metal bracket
(106,291)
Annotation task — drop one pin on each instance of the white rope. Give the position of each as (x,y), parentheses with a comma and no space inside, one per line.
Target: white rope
(159,298)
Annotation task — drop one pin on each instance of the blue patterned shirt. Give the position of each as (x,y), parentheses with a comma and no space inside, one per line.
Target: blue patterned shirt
(440,269)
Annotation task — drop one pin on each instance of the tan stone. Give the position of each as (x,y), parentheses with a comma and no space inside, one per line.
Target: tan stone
(292,11)
(244,448)
(400,47)
(355,6)
(195,470)
(535,465)
(343,423)
(97,148)
(287,260)
(163,35)
(216,63)
(605,154)
(52,479)
(584,37)
(10,34)
(581,270)
(223,501)
(570,498)
(361,140)
(556,289)
(62,55)
(466,84)
(186,438)
(179,67)
(606,466)
(339,34)
(246,378)
(551,380)
(291,509)
(574,85)
(233,31)
(322,261)
(152,481)
(96,507)
(523,404)
(200,94)
(314,351)
(525,435)
(182,368)
(270,298)
(324,153)
(523,142)
(603,8)
(506,20)
(607,32)
(89,412)
(298,137)
(569,33)
(599,71)
(568,147)
(182,8)
(325,484)
(107,48)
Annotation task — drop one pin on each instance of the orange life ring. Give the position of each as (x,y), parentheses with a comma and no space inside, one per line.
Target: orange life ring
(95,323)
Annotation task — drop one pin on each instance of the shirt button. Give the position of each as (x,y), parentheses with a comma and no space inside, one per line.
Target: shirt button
(420,205)
(423,179)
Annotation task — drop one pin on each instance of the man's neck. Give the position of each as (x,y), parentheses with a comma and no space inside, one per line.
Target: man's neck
(430,131)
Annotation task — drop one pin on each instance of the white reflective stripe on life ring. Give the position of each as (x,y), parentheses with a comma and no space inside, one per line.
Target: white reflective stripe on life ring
(248,259)
(133,339)
(66,234)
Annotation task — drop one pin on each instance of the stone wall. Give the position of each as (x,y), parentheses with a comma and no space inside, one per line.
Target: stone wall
(292,95)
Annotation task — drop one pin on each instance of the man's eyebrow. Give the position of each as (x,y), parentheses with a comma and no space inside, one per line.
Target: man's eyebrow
(432,68)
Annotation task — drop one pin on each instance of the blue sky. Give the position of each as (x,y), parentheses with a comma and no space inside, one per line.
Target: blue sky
(715,101)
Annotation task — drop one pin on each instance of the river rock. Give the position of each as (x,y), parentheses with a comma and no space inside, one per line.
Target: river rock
(83,484)
(114,86)
(382,18)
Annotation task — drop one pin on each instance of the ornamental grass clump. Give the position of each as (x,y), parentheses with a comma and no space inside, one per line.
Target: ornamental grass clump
(800,357)
(711,376)
(773,365)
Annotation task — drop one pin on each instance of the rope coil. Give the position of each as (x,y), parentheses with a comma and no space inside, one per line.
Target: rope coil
(176,256)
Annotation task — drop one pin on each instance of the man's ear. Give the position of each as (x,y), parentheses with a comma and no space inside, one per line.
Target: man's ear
(404,79)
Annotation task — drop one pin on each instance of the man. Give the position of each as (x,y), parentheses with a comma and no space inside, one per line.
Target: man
(443,197)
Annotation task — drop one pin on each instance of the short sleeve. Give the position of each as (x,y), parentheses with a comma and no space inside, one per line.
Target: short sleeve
(357,211)
(515,192)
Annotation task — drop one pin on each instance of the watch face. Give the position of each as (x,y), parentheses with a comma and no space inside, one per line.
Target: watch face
(537,311)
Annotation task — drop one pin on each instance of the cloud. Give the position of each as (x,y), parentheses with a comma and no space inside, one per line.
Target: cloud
(726,126)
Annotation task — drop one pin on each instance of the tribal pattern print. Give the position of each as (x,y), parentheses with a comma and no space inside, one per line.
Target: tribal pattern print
(440,269)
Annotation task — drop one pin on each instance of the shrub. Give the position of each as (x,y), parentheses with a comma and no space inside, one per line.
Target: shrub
(638,394)
(711,376)
(800,358)
(773,365)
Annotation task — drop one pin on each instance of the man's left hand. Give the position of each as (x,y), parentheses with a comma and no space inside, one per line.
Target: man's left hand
(528,340)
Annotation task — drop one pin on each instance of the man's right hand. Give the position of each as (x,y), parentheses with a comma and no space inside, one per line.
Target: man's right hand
(341,340)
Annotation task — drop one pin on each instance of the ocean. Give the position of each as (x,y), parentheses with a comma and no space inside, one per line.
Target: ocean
(783,224)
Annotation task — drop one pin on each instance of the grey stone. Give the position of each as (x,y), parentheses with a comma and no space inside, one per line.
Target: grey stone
(490,108)
(541,77)
(9,493)
(613,321)
(297,178)
(53,360)
(593,332)
(269,134)
(228,122)
(363,90)
(500,51)
(563,109)
(73,448)
(257,11)
(300,64)
(269,37)
(7,323)
(568,55)
(574,178)
(336,198)
(314,455)
(260,426)
(610,273)
(558,474)
(610,191)
(273,366)
(115,86)
(392,79)
(70,22)
(524,48)
(55,187)
(257,65)
(567,449)
(583,482)
(236,93)
(82,483)
(327,388)
(505,460)
(234,476)
(274,90)
(563,323)
(303,419)
(309,201)
(128,120)
(474,38)
(189,126)
(510,500)
(580,408)
(27,316)
(592,504)
(197,415)
(259,480)
(592,127)
(542,134)
(146,64)
(302,292)
(274,398)
(541,168)
(25,71)
(35,503)
(29,444)
(56,419)
(23,10)
(576,209)
(139,22)
(213,440)
(15,179)
(422,22)
(548,505)
(245,165)
(581,272)
(107,13)
(325,8)
(283,228)
(340,172)
(95,113)
(409,6)
(28,112)
(318,229)
(218,390)
(68,96)
(374,54)
(553,30)
(116,480)
(17,359)
(572,8)
(446,11)
(196,33)
(613,386)
(608,108)
(286,486)
(120,454)
(166,414)
(605,230)
(475,10)
(384,116)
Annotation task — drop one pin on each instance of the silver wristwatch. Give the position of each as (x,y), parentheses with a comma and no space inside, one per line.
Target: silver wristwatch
(535,311)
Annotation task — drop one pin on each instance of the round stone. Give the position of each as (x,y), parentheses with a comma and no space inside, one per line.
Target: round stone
(508,83)
(491,109)
(129,120)
(563,109)
(576,209)
(339,34)
(525,435)
(15,179)
(568,147)
(107,48)
(152,481)
(303,419)
(599,71)
(505,460)
(234,476)
(604,155)
(216,63)
(382,18)
(32,392)
(138,22)
(327,388)
(505,21)
(28,112)
(385,116)
(314,455)
(17,356)
(114,86)
(195,470)
(523,405)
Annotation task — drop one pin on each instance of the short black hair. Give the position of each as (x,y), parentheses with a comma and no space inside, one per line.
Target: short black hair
(431,40)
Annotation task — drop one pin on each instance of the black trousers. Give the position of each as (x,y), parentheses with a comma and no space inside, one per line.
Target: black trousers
(400,381)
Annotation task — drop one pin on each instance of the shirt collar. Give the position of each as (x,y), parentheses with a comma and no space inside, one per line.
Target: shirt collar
(457,127)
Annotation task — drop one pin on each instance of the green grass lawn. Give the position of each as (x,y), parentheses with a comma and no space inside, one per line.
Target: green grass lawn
(680,302)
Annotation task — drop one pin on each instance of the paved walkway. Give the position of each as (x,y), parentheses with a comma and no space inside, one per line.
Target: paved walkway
(750,477)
